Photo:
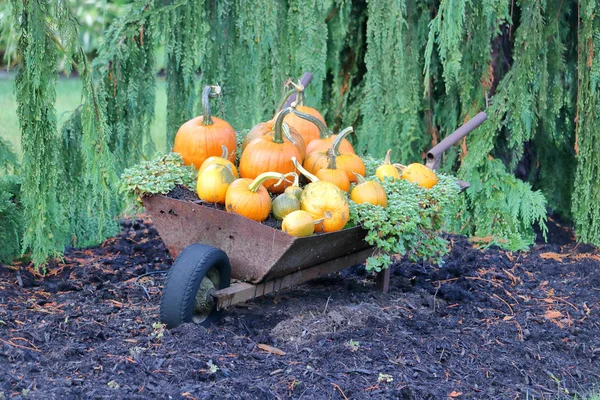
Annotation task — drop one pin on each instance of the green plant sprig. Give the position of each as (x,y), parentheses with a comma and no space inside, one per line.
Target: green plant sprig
(411,223)
(158,176)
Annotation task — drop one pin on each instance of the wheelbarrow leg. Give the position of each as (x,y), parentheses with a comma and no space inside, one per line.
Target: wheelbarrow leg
(383,280)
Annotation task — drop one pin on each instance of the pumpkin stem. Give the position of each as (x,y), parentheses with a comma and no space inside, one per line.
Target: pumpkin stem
(304,171)
(400,166)
(387,157)
(206,94)
(361,179)
(332,159)
(318,221)
(224,152)
(324,133)
(284,98)
(278,136)
(265,176)
(300,92)
(338,139)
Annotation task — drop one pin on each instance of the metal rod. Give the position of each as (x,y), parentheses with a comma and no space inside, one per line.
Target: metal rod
(242,291)
(433,156)
(305,80)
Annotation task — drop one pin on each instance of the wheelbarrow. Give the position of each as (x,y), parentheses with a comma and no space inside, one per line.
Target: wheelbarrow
(222,259)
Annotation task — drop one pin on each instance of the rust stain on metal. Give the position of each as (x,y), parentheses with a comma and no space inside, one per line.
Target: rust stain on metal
(257,252)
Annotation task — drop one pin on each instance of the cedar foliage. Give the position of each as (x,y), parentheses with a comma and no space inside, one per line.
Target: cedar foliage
(404,73)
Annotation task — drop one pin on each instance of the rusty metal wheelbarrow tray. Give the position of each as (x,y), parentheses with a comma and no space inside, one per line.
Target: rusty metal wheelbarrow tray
(257,252)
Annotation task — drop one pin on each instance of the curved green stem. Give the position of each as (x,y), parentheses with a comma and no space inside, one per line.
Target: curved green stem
(387,157)
(303,171)
(284,98)
(400,167)
(361,179)
(324,133)
(265,176)
(207,92)
(338,140)
(332,159)
(278,136)
(299,92)
(224,152)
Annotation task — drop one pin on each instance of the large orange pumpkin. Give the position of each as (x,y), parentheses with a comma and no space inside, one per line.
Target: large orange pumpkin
(269,153)
(204,136)
(348,162)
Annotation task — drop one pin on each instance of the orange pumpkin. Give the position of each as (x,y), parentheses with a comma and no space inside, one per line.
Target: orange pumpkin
(368,192)
(249,198)
(269,153)
(419,174)
(267,128)
(336,176)
(348,162)
(387,170)
(326,137)
(204,136)
(323,200)
(222,160)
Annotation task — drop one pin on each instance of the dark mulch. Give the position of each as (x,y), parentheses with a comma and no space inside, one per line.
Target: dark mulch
(488,324)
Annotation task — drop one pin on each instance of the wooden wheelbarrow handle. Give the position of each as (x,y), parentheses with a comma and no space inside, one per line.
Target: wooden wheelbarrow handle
(304,80)
(434,155)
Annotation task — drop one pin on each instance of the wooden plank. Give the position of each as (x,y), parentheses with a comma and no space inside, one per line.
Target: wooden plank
(240,292)
(383,280)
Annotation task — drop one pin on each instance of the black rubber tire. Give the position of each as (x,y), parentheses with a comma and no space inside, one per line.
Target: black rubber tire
(184,279)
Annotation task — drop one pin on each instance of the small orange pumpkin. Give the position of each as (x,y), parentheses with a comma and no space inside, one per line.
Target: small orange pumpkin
(387,170)
(419,174)
(326,137)
(348,162)
(269,154)
(222,160)
(203,136)
(336,176)
(368,192)
(324,200)
(213,183)
(249,198)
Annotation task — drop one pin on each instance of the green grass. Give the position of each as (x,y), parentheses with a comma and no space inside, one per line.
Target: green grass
(68,97)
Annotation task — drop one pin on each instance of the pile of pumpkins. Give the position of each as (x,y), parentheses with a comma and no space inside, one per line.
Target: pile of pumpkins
(274,154)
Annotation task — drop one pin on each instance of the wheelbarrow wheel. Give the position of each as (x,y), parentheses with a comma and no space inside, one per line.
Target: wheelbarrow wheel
(194,278)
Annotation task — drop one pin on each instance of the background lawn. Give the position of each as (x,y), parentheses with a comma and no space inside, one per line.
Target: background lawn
(68,97)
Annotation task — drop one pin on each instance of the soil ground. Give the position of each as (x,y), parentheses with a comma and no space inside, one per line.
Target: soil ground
(488,324)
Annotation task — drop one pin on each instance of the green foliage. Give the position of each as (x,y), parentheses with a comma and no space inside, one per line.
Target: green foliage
(8,159)
(586,198)
(126,64)
(411,223)
(11,218)
(500,207)
(393,100)
(158,176)
(185,31)
(35,84)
